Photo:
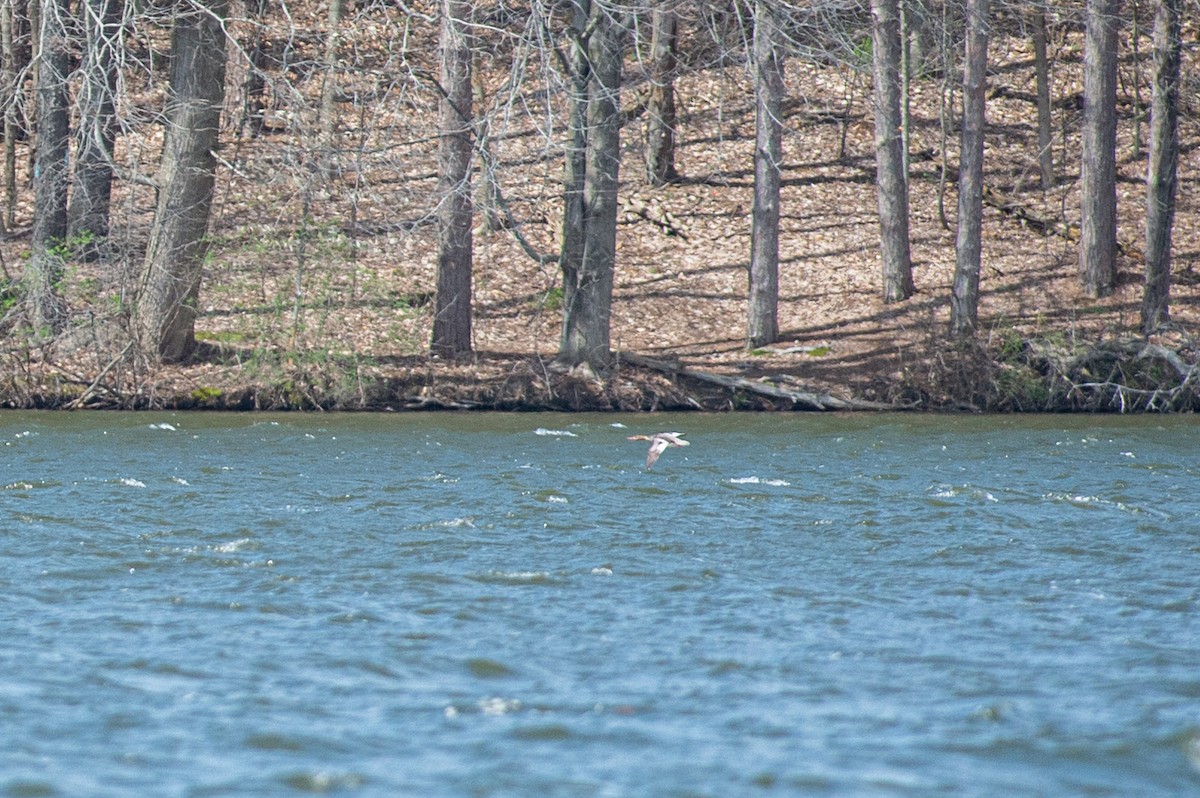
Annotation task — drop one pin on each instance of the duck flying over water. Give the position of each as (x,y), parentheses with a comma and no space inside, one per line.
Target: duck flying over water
(659,442)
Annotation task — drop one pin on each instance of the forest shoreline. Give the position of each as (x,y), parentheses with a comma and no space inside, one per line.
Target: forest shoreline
(318,286)
(1119,376)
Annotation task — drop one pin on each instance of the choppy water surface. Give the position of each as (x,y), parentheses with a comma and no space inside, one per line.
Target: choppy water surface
(468,605)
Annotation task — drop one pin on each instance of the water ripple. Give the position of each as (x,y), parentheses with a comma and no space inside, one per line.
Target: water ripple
(451,605)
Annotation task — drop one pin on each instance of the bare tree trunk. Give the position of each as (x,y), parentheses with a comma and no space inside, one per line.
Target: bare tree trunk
(487,192)
(88,213)
(586,319)
(33,9)
(892,183)
(1098,173)
(570,258)
(452,318)
(8,77)
(905,87)
(166,309)
(1041,68)
(255,86)
(964,298)
(1139,116)
(44,270)
(660,108)
(945,112)
(328,112)
(762,323)
(1162,174)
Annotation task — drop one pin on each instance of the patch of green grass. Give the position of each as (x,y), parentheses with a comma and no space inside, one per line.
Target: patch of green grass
(207,394)
(222,337)
(553,299)
(1021,388)
(1012,345)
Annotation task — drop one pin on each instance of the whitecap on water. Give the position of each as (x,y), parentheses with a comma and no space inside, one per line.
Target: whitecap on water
(516,578)
(499,706)
(322,782)
(132,483)
(232,546)
(1084,501)
(486,706)
(777,483)
(956,491)
(450,523)
(1192,749)
(562,433)
(163,425)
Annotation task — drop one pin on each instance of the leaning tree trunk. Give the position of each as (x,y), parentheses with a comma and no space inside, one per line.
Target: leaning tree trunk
(964,298)
(88,213)
(1098,171)
(762,325)
(587,314)
(1162,174)
(166,310)
(891,181)
(44,270)
(660,107)
(452,319)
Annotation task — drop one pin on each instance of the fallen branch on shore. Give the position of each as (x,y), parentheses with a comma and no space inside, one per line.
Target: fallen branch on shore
(1124,374)
(805,400)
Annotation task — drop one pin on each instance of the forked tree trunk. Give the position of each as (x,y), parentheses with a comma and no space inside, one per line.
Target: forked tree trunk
(891,182)
(88,213)
(166,309)
(452,319)
(44,270)
(964,299)
(1162,173)
(1041,68)
(587,315)
(1098,170)
(762,318)
(660,108)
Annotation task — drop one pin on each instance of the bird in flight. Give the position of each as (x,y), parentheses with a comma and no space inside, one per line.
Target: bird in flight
(659,442)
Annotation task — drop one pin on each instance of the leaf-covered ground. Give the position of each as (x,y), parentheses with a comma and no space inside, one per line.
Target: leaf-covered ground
(318,290)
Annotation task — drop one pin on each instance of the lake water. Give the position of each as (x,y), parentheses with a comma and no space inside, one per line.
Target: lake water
(512,605)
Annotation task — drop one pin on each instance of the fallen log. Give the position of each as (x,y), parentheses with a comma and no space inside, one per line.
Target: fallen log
(808,400)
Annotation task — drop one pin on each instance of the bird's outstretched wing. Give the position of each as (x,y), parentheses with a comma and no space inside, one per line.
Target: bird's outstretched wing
(657,446)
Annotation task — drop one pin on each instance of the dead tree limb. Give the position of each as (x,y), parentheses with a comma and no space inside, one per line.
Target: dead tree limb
(806,400)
